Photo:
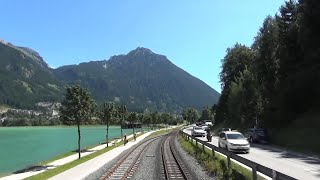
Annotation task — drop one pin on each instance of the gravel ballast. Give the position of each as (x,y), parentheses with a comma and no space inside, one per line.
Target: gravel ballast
(150,166)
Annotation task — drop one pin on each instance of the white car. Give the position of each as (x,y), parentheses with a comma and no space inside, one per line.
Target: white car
(198,131)
(205,127)
(208,123)
(233,141)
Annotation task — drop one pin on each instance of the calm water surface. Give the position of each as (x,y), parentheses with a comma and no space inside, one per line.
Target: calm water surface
(22,147)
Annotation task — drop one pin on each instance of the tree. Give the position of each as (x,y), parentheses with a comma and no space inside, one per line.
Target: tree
(77,107)
(140,119)
(308,38)
(213,112)
(242,104)
(146,119)
(206,114)
(190,115)
(167,118)
(132,118)
(121,113)
(154,118)
(107,115)
(236,60)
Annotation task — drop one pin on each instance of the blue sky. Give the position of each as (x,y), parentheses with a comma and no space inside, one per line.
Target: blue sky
(194,35)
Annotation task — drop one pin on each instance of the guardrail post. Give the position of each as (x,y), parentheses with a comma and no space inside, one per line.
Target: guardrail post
(228,160)
(254,172)
(274,175)
(203,147)
(213,153)
(196,143)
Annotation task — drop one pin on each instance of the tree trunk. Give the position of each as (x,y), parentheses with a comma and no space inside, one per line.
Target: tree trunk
(121,128)
(79,137)
(132,130)
(107,135)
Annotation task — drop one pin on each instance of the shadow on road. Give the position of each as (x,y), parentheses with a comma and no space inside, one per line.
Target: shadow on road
(290,155)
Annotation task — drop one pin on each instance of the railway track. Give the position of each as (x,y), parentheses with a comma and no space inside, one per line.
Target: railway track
(173,166)
(127,165)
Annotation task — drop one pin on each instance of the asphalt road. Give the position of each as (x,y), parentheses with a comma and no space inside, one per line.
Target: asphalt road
(297,166)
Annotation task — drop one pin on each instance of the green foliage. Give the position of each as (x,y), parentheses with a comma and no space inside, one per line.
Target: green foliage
(280,86)
(167,118)
(276,80)
(206,114)
(26,79)
(108,116)
(77,108)
(216,165)
(238,59)
(190,115)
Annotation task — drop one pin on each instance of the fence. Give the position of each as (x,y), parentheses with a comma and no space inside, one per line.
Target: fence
(275,175)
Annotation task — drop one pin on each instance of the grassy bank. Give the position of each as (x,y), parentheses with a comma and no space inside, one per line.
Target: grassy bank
(217,164)
(161,132)
(62,168)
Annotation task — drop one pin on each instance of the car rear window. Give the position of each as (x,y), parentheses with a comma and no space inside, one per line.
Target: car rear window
(235,136)
(260,130)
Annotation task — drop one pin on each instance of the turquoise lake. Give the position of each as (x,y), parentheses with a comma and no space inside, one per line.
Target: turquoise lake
(22,147)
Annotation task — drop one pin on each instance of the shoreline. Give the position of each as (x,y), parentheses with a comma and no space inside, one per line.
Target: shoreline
(56,162)
(84,148)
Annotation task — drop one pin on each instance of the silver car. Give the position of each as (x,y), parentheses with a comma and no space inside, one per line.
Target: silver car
(233,141)
(198,131)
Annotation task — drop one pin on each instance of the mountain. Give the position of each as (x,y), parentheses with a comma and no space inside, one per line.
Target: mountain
(141,79)
(25,78)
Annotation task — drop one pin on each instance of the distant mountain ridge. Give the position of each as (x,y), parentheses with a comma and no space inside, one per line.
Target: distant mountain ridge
(26,79)
(140,79)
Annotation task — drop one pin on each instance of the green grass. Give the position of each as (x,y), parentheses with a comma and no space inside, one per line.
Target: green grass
(71,153)
(160,132)
(56,158)
(62,168)
(217,164)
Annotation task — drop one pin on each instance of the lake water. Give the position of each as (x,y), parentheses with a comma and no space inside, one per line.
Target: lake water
(22,147)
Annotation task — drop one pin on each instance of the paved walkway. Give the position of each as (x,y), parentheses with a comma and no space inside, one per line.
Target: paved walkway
(84,169)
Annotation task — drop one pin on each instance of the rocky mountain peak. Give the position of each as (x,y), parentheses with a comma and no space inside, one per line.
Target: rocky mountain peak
(141,51)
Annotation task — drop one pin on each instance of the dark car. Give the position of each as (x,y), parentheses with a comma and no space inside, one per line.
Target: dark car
(225,129)
(256,135)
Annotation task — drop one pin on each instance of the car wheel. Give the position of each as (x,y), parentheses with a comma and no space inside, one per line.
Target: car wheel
(227,147)
(251,140)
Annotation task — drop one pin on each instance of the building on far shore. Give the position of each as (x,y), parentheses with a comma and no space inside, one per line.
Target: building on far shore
(128,125)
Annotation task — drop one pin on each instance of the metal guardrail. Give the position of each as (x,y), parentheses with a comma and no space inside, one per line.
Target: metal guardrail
(275,175)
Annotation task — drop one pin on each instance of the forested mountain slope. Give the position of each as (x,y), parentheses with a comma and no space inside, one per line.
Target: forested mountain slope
(141,79)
